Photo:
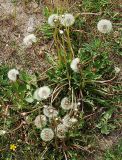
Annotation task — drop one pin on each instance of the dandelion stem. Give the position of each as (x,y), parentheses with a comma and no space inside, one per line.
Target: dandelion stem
(69,43)
(55,40)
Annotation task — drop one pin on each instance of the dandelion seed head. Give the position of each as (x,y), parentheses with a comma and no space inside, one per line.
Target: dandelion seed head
(75,64)
(78,103)
(69,121)
(53,19)
(36,96)
(67,19)
(65,104)
(29,39)
(47,134)
(117,69)
(61,131)
(12,74)
(2,132)
(42,93)
(66,121)
(50,112)
(61,31)
(73,120)
(40,121)
(104,26)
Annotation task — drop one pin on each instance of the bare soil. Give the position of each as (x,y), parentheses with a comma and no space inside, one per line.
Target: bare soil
(14,23)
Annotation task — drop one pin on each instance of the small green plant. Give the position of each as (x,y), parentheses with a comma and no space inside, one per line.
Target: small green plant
(114,153)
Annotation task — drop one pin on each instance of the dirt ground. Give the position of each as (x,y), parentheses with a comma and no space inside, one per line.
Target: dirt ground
(14,25)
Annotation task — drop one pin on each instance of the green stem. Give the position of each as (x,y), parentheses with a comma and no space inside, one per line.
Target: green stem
(55,40)
(69,44)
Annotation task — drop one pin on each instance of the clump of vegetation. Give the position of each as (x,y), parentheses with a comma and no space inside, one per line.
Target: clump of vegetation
(59,117)
(114,153)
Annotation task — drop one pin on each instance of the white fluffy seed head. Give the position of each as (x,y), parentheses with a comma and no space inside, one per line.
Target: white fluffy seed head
(69,121)
(47,134)
(75,64)
(61,32)
(67,19)
(73,120)
(35,95)
(29,39)
(53,19)
(2,132)
(40,121)
(42,93)
(104,26)
(117,69)
(50,112)
(61,131)
(12,74)
(65,104)
(66,121)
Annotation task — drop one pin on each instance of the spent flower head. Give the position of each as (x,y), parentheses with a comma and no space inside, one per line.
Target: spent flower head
(117,69)
(69,121)
(75,64)
(47,134)
(53,19)
(61,32)
(40,121)
(35,95)
(104,26)
(65,104)
(50,112)
(67,19)
(66,120)
(29,40)
(12,74)
(61,131)
(2,132)
(42,93)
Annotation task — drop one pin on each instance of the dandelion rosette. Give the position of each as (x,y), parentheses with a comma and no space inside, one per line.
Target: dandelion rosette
(104,26)
(29,40)
(47,134)
(40,121)
(67,19)
(50,112)
(12,74)
(53,19)
(75,64)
